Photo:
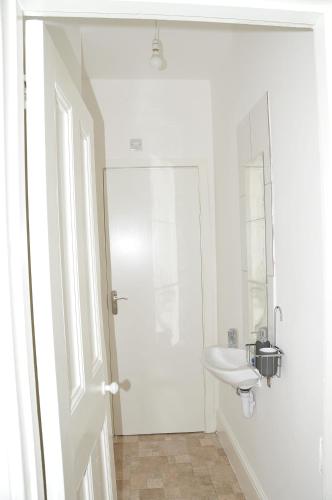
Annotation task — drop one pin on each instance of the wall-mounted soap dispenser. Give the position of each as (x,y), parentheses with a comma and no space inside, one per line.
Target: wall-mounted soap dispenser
(265,356)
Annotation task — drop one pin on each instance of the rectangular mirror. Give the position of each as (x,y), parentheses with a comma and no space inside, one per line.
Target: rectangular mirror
(254,248)
(256,224)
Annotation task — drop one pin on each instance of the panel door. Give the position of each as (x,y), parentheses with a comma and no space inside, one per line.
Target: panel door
(154,237)
(70,349)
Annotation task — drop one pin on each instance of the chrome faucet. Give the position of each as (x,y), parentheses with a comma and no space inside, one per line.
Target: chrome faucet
(232,337)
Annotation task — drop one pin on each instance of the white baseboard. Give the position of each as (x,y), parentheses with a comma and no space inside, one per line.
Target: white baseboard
(245,474)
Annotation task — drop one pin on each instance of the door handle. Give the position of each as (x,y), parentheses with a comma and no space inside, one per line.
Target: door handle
(112,388)
(115,300)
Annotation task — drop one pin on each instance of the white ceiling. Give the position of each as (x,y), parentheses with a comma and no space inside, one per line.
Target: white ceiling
(122,49)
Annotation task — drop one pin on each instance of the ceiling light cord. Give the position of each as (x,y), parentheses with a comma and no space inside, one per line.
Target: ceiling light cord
(157,61)
(156,30)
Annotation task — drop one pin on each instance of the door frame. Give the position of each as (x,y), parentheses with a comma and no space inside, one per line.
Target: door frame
(22,475)
(208,259)
(311,14)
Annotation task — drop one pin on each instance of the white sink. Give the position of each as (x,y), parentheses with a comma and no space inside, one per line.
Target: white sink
(230,365)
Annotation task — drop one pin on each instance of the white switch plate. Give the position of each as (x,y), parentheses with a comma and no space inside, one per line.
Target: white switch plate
(135,144)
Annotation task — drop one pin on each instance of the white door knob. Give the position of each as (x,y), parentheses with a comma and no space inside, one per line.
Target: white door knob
(113,388)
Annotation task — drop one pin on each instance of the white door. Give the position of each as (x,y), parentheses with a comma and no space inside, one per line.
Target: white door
(154,235)
(70,352)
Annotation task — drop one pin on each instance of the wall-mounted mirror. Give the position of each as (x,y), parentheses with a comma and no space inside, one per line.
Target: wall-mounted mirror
(256,225)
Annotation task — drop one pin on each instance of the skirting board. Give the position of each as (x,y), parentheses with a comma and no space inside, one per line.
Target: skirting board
(246,476)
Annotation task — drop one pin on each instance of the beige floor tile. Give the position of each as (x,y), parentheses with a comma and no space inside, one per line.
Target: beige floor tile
(226,497)
(234,496)
(224,488)
(152,437)
(236,488)
(182,459)
(176,471)
(205,480)
(152,494)
(175,437)
(147,452)
(155,482)
(201,470)
(225,475)
(125,439)
(122,472)
(193,443)
(172,492)
(134,495)
(123,489)
(148,464)
(124,495)
(189,466)
(122,484)
(208,442)
(173,448)
(138,481)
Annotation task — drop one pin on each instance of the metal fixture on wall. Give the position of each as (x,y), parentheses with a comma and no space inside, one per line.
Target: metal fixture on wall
(157,60)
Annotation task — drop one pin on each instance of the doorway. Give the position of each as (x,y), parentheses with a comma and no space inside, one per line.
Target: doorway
(154,237)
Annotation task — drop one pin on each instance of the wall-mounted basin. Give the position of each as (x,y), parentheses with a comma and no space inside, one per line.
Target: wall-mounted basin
(230,365)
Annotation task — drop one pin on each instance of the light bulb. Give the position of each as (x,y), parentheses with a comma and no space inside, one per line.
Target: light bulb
(156,60)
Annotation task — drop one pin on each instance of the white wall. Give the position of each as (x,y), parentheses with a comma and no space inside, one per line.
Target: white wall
(173,118)
(281,442)
(66,37)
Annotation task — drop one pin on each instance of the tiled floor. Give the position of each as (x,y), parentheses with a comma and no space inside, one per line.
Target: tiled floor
(174,466)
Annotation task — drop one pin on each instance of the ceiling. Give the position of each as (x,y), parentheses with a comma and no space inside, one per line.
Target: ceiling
(122,49)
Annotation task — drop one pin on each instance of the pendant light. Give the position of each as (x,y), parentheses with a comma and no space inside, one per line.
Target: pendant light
(157,61)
